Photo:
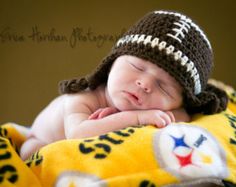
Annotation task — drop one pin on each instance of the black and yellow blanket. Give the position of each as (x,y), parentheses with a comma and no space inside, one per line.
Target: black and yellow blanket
(182,154)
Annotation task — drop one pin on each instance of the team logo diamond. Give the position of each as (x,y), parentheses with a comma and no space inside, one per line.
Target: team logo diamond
(189,152)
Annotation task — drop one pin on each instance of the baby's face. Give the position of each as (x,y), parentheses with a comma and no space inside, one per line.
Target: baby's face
(136,84)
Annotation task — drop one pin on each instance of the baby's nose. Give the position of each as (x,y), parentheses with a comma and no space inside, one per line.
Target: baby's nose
(144,84)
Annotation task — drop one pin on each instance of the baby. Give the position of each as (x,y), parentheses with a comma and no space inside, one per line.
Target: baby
(156,74)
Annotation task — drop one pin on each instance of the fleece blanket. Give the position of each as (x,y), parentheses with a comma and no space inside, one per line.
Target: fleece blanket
(182,154)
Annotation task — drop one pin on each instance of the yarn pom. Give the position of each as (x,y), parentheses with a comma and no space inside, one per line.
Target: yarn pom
(72,85)
(212,100)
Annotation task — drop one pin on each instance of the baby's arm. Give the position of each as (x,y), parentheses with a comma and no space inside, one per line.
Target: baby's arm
(177,115)
(77,125)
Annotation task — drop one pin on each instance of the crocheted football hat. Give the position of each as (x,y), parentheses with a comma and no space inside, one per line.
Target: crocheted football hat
(173,42)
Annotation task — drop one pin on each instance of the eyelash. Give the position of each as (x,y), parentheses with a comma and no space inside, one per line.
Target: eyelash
(164,90)
(136,67)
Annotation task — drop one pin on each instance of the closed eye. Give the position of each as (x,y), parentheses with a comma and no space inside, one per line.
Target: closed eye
(136,67)
(163,89)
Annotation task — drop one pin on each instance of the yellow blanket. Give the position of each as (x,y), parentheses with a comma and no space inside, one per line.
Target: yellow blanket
(182,154)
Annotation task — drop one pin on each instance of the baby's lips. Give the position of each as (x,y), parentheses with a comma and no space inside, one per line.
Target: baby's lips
(138,97)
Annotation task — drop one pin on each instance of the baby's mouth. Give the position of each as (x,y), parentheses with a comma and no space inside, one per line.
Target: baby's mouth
(133,97)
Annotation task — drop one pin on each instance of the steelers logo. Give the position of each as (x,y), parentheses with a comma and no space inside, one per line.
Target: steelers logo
(189,152)
(78,179)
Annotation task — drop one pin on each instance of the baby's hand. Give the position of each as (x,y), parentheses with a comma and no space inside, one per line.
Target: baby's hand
(156,117)
(103,112)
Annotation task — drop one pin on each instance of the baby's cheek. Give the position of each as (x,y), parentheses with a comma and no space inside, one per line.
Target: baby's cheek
(161,103)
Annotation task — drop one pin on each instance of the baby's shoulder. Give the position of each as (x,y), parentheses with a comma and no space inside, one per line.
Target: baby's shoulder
(86,98)
(79,97)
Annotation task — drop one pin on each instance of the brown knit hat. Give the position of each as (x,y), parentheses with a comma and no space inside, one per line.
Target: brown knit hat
(173,42)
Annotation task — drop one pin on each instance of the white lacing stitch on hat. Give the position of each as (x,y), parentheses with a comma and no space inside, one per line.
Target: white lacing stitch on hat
(178,55)
(179,32)
(189,21)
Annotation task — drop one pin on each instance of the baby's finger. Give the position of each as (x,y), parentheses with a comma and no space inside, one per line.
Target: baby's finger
(172,117)
(165,117)
(160,123)
(105,112)
(95,114)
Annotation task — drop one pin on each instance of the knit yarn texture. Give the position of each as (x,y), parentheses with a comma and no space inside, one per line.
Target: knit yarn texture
(173,42)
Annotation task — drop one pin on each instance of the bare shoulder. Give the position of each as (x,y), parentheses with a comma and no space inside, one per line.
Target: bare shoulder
(84,102)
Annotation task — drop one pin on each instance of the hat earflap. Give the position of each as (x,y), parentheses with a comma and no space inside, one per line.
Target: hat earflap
(72,85)
(211,100)
(92,81)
